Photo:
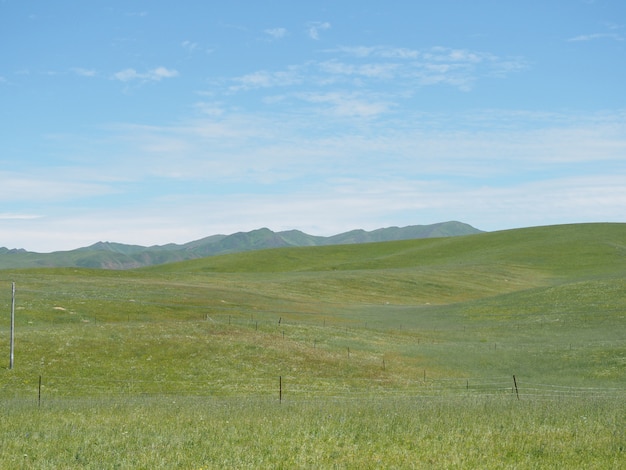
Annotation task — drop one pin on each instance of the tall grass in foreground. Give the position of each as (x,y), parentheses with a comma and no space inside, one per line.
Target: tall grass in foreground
(195,433)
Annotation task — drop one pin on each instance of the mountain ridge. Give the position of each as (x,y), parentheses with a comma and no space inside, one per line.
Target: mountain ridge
(112,255)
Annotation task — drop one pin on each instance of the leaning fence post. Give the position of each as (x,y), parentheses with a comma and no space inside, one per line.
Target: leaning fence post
(515,384)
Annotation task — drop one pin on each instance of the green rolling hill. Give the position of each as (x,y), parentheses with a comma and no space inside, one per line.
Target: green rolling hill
(422,337)
(536,293)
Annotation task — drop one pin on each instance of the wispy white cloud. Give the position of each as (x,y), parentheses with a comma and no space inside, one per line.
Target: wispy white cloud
(209,108)
(406,68)
(347,104)
(595,36)
(296,171)
(140,14)
(448,55)
(126,75)
(612,31)
(54,185)
(13,216)
(189,46)
(314,28)
(265,79)
(276,148)
(192,47)
(276,33)
(328,208)
(84,72)
(371,70)
(377,51)
(435,54)
(156,74)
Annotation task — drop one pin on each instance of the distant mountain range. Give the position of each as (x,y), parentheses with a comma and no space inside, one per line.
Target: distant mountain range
(108,255)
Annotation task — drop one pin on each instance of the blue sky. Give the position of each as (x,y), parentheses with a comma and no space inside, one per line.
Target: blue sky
(151,122)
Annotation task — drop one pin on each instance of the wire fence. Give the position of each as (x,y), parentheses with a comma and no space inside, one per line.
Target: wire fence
(293,387)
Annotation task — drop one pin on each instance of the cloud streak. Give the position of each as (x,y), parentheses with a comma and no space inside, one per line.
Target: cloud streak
(328,208)
(52,186)
(154,75)
(84,72)
(265,79)
(596,36)
(276,33)
(315,27)
(374,66)
(12,216)
(227,150)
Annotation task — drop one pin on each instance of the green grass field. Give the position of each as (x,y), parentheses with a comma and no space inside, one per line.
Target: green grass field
(384,355)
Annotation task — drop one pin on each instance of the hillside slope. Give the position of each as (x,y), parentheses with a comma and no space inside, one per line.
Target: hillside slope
(550,299)
(436,271)
(558,249)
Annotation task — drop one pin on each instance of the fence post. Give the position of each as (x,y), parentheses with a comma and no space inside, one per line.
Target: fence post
(515,384)
(12,334)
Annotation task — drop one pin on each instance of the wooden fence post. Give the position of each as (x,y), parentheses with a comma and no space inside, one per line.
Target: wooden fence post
(12,332)
(515,384)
